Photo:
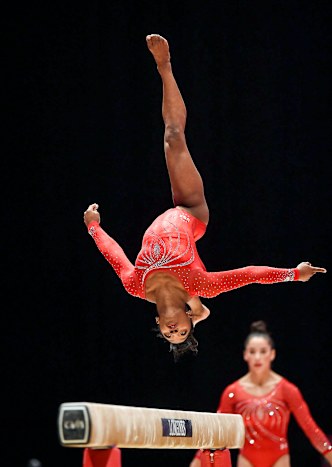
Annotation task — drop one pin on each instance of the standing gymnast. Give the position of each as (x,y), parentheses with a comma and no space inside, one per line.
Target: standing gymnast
(266,400)
(168,270)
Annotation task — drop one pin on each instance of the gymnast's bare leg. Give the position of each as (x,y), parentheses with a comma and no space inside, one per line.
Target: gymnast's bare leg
(186,182)
(187,191)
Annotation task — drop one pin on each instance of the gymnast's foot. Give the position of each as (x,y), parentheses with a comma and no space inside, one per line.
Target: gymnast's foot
(158,46)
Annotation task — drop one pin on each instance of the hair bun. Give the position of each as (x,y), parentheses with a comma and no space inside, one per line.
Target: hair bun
(259,326)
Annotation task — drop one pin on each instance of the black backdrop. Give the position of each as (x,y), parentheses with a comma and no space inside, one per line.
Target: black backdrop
(84,125)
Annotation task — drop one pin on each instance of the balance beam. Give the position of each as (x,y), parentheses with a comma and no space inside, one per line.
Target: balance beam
(94,425)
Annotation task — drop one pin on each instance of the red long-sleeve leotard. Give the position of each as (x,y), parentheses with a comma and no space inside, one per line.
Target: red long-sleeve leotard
(169,245)
(266,420)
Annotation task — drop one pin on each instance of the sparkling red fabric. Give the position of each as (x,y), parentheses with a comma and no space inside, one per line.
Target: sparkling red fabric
(169,245)
(266,420)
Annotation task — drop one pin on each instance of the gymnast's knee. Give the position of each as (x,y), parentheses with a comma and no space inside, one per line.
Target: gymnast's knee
(174,136)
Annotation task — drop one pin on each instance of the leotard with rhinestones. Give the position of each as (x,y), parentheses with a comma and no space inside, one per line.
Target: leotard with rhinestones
(169,245)
(266,420)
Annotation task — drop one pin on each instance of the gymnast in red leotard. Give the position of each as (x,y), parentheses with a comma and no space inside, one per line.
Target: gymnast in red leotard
(266,400)
(168,270)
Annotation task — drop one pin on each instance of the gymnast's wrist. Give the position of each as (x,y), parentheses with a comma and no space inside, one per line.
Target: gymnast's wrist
(328,451)
(93,223)
(296,274)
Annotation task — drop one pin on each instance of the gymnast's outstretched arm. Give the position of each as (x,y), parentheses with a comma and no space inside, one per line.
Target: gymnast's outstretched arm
(210,284)
(111,250)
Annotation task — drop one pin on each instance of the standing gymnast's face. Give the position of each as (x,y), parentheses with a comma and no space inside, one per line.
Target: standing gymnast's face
(175,328)
(259,354)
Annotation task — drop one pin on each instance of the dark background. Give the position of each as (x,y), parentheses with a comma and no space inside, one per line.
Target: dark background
(84,125)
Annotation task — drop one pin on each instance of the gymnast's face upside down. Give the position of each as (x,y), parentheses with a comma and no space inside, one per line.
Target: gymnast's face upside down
(175,325)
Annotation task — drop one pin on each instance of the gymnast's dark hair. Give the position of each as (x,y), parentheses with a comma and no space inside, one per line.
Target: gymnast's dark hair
(190,344)
(259,329)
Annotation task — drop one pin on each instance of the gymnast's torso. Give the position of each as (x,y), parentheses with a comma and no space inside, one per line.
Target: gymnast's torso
(169,247)
(266,420)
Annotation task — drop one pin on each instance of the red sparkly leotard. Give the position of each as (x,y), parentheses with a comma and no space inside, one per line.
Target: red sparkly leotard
(266,420)
(169,245)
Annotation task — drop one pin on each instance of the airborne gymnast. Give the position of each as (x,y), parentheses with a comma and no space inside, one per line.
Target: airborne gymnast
(168,270)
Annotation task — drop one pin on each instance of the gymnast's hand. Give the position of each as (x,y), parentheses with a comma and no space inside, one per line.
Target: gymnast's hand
(328,457)
(195,463)
(92,214)
(307,271)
